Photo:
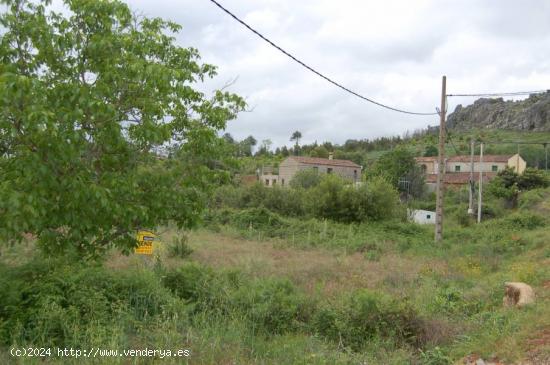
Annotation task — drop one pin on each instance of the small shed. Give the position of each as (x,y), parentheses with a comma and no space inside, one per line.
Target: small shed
(422,216)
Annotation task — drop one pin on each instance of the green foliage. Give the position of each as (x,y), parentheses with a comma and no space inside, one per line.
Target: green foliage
(289,202)
(87,96)
(399,164)
(365,315)
(533,179)
(523,220)
(375,200)
(529,199)
(508,184)
(180,248)
(394,164)
(329,198)
(189,281)
(272,306)
(269,306)
(435,356)
(55,303)
(305,179)
(319,151)
(296,137)
(431,151)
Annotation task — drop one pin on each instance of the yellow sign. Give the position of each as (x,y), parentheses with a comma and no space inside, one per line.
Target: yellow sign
(146,240)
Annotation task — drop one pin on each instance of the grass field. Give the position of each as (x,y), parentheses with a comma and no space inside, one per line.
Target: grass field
(314,292)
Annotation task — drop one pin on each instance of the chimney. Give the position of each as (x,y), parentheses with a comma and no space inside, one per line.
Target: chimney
(330,155)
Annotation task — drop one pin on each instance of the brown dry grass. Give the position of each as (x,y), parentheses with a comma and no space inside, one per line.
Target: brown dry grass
(316,270)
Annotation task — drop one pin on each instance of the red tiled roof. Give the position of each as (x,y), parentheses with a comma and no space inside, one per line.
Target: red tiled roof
(466,158)
(324,161)
(426,159)
(460,177)
(486,158)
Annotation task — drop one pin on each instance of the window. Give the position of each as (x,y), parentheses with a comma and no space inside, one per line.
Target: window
(428,216)
(274,181)
(267,182)
(316,168)
(329,170)
(424,168)
(355,175)
(494,168)
(283,182)
(457,168)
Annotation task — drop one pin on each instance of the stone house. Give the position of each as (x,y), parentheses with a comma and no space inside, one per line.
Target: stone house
(291,165)
(457,168)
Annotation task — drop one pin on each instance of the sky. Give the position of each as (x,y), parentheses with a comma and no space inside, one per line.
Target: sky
(393,51)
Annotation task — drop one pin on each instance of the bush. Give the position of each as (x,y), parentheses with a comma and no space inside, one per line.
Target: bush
(366,315)
(55,303)
(375,200)
(258,218)
(188,281)
(524,221)
(180,248)
(528,199)
(272,306)
(533,179)
(305,179)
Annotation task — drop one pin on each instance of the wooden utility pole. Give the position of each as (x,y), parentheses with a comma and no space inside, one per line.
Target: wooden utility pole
(546,156)
(471,197)
(440,164)
(480,182)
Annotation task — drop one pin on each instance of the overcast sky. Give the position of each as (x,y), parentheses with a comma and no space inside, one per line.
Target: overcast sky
(392,51)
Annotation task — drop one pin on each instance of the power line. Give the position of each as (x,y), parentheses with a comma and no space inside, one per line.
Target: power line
(513,93)
(312,69)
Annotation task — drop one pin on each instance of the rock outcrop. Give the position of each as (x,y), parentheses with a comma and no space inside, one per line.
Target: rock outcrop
(532,114)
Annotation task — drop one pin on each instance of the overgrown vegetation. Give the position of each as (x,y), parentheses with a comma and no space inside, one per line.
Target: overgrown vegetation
(329,197)
(89,99)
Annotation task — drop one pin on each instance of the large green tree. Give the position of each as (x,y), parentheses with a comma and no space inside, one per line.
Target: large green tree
(86,97)
(400,169)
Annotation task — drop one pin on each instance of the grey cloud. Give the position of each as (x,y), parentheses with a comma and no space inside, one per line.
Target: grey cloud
(480,45)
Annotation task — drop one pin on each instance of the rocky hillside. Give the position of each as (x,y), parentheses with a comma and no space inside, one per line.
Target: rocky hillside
(531,114)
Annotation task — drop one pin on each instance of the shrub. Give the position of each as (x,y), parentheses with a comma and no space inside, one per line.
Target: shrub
(528,199)
(305,179)
(366,315)
(56,303)
(524,221)
(180,248)
(258,218)
(375,200)
(532,179)
(188,281)
(272,306)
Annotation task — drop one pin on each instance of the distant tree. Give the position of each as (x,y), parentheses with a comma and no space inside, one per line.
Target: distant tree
(296,137)
(265,147)
(246,146)
(319,151)
(284,151)
(399,165)
(431,151)
(228,138)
